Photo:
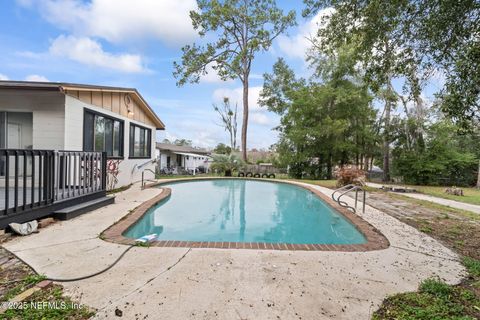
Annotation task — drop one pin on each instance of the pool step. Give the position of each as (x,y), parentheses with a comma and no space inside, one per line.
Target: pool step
(78,209)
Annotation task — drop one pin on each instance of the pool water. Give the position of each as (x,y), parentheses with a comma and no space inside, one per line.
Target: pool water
(236,210)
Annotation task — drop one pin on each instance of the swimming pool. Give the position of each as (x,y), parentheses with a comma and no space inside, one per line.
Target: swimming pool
(248,211)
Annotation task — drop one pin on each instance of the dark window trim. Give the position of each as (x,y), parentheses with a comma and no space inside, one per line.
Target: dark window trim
(122,138)
(130,146)
(3,134)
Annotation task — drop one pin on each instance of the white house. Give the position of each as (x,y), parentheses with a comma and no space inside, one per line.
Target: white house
(77,117)
(181,158)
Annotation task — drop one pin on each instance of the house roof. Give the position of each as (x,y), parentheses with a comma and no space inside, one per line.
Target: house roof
(62,86)
(184,149)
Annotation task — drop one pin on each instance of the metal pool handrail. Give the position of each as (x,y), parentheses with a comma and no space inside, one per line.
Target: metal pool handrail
(143,176)
(346,189)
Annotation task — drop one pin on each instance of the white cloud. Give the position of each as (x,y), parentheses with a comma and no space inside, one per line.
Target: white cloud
(260,118)
(123,20)
(36,78)
(297,45)
(3,77)
(212,76)
(201,135)
(256,76)
(91,53)
(25,3)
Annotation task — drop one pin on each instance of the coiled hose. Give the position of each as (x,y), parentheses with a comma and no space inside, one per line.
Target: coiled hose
(83,277)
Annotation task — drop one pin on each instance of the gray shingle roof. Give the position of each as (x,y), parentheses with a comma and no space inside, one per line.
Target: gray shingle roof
(186,149)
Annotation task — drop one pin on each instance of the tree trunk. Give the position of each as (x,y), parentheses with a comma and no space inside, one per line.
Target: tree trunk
(245,120)
(386,143)
(478,176)
(329,167)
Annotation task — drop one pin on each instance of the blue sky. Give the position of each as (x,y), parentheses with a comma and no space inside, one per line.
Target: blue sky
(112,42)
(133,44)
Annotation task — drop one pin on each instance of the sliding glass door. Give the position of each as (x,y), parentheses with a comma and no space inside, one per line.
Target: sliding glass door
(16,132)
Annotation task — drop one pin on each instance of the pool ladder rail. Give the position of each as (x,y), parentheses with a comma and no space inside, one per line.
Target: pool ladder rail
(346,189)
(145,180)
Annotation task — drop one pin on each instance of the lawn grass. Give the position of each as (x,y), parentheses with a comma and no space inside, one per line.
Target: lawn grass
(56,307)
(470,195)
(434,300)
(27,282)
(332,184)
(175,176)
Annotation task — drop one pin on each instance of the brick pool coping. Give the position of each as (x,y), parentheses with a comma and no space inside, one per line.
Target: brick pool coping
(375,239)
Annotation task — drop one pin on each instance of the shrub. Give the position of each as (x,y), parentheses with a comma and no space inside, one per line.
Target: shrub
(226,164)
(349,175)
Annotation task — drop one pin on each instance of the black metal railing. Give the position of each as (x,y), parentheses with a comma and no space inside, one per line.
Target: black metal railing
(32,179)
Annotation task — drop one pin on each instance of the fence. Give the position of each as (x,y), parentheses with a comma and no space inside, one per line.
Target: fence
(31,179)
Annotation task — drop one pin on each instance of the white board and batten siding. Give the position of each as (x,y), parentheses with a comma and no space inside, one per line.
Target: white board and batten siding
(127,168)
(58,121)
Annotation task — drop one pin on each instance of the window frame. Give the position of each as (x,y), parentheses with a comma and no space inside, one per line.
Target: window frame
(3,128)
(122,136)
(131,142)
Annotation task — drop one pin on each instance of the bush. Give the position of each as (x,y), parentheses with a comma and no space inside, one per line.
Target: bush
(226,164)
(349,175)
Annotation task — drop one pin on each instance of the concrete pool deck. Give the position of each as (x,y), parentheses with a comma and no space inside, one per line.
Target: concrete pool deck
(202,283)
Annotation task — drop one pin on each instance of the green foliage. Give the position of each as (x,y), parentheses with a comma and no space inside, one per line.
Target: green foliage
(435,300)
(34,279)
(60,307)
(142,244)
(226,163)
(239,29)
(472,265)
(322,123)
(436,288)
(442,158)
(27,282)
(413,40)
(222,148)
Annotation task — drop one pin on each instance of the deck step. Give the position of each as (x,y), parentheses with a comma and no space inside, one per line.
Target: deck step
(78,209)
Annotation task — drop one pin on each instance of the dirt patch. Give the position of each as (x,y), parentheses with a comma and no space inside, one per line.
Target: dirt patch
(12,271)
(456,229)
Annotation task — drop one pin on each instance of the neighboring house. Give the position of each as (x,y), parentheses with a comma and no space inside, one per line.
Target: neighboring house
(109,134)
(187,158)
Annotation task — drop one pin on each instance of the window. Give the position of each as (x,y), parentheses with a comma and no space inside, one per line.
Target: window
(102,133)
(140,141)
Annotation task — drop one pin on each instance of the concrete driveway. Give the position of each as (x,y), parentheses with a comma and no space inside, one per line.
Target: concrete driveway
(182,283)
